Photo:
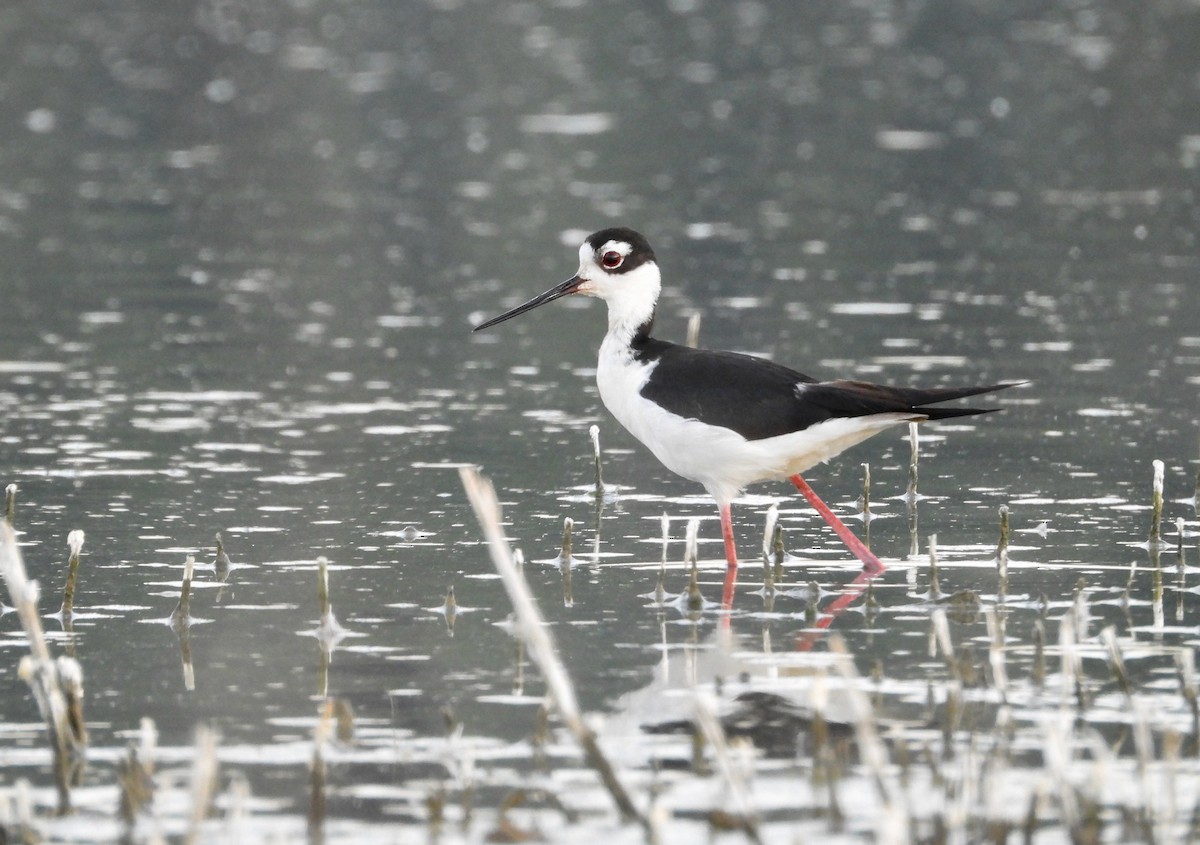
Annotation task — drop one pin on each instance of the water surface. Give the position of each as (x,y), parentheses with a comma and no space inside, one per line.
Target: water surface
(243,248)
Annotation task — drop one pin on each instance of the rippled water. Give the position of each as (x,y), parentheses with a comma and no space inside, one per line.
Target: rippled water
(243,247)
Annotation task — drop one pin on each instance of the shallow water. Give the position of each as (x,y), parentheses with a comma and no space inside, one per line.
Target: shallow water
(243,249)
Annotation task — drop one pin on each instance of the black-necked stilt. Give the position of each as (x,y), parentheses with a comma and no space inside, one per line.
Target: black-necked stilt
(724,419)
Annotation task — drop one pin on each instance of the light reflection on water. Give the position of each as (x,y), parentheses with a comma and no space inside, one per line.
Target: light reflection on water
(242,254)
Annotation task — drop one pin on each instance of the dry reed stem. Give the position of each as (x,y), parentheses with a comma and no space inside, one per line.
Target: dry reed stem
(714,735)
(204,781)
(75,544)
(45,676)
(1156,506)
(893,824)
(532,629)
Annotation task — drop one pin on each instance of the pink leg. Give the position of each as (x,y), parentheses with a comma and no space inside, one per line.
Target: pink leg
(730,556)
(872,566)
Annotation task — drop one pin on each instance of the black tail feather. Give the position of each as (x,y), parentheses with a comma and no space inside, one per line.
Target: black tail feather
(925,397)
(859,398)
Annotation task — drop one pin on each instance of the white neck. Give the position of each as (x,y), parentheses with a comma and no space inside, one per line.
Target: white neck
(631,298)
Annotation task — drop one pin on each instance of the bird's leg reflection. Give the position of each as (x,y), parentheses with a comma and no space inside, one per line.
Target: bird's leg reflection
(836,608)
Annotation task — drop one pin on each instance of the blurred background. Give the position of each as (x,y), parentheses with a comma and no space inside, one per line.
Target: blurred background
(242,245)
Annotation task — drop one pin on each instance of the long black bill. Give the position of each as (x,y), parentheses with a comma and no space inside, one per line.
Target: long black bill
(568,287)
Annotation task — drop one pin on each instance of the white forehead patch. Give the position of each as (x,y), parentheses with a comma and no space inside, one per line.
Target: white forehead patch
(586,256)
(616,246)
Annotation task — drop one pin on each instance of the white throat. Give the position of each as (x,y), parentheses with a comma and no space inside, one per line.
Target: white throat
(631,298)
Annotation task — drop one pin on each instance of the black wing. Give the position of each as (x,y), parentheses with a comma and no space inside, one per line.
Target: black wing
(759,399)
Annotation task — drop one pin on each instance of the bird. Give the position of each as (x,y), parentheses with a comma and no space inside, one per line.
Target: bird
(727,419)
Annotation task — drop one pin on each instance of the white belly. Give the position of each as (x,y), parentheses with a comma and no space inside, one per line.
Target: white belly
(720,458)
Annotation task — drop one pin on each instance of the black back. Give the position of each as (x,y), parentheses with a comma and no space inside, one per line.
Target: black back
(759,399)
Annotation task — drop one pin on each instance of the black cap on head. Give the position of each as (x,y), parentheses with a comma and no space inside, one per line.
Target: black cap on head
(639,248)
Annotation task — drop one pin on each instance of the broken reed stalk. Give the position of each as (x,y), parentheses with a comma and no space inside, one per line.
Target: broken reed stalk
(564,569)
(594,432)
(329,629)
(1156,507)
(1154,545)
(329,632)
(323,605)
(75,544)
(695,600)
(531,628)
(57,685)
(564,549)
(691,543)
(769,534)
(660,589)
(1002,552)
(10,502)
(1133,567)
(768,549)
(182,615)
(812,595)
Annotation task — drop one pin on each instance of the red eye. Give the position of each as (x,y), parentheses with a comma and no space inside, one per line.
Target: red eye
(612,259)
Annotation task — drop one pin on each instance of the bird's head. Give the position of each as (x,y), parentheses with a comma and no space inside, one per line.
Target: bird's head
(616,265)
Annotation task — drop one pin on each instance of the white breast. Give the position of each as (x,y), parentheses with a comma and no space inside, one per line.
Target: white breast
(719,458)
